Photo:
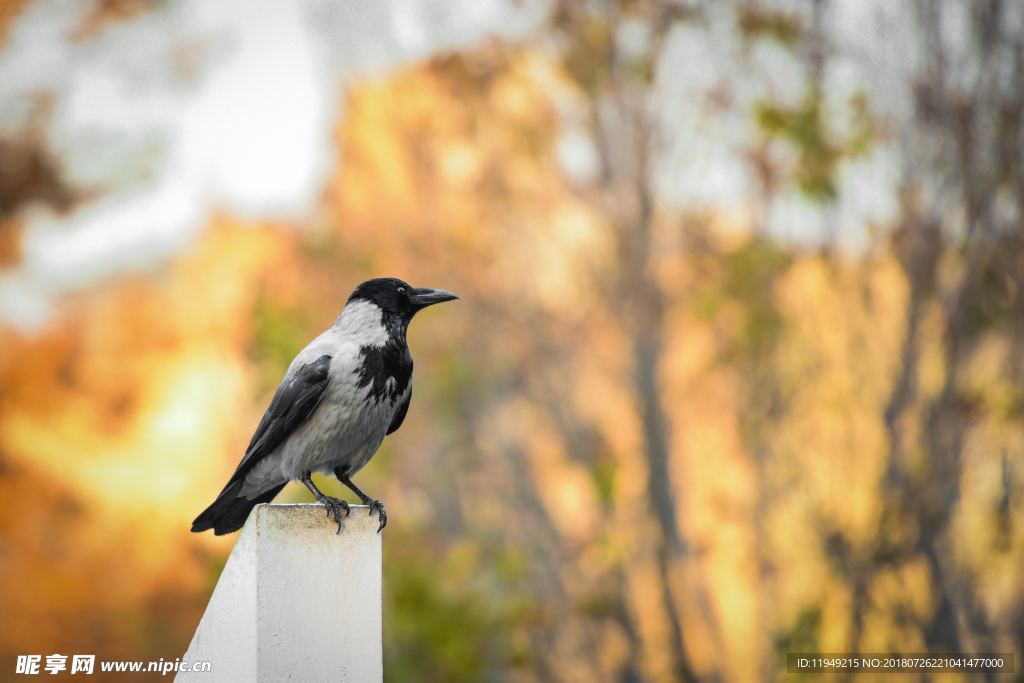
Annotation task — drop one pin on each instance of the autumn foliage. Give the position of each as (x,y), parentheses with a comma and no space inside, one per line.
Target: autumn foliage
(651,442)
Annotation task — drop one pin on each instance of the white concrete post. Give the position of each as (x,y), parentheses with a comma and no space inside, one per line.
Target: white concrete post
(295,601)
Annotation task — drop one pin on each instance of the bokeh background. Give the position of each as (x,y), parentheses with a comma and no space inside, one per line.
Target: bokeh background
(738,368)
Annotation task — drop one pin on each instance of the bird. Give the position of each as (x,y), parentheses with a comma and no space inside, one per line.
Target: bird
(342,394)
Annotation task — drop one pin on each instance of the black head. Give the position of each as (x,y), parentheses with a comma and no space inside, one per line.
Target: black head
(399,298)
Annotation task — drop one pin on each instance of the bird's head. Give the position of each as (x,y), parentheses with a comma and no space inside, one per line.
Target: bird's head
(398,298)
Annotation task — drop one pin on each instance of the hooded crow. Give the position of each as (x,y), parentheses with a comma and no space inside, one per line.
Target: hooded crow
(343,393)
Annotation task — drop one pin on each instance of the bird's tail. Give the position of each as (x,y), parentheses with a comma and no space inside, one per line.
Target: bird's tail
(229,512)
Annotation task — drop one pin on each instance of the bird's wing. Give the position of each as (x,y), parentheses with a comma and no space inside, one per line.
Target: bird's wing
(399,417)
(296,399)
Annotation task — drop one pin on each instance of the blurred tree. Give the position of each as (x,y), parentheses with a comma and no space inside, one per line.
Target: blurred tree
(612,51)
(655,441)
(967,126)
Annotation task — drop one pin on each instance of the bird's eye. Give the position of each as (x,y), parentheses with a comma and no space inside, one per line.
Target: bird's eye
(401,290)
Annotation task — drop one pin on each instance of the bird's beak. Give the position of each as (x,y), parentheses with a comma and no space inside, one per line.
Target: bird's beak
(425,296)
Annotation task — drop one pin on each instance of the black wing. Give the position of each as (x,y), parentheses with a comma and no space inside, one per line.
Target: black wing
(295,400)
(399,417)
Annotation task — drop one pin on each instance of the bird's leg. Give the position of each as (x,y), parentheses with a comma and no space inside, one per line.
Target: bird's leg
(334,506)
(365,499)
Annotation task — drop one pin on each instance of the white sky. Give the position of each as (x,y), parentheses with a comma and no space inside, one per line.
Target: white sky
(199,105)
(193,106)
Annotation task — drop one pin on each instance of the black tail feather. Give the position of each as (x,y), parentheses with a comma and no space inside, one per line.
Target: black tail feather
(229,512)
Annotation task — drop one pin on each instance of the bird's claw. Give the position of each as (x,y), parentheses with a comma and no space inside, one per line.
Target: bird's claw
(379,507)
(335,508)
